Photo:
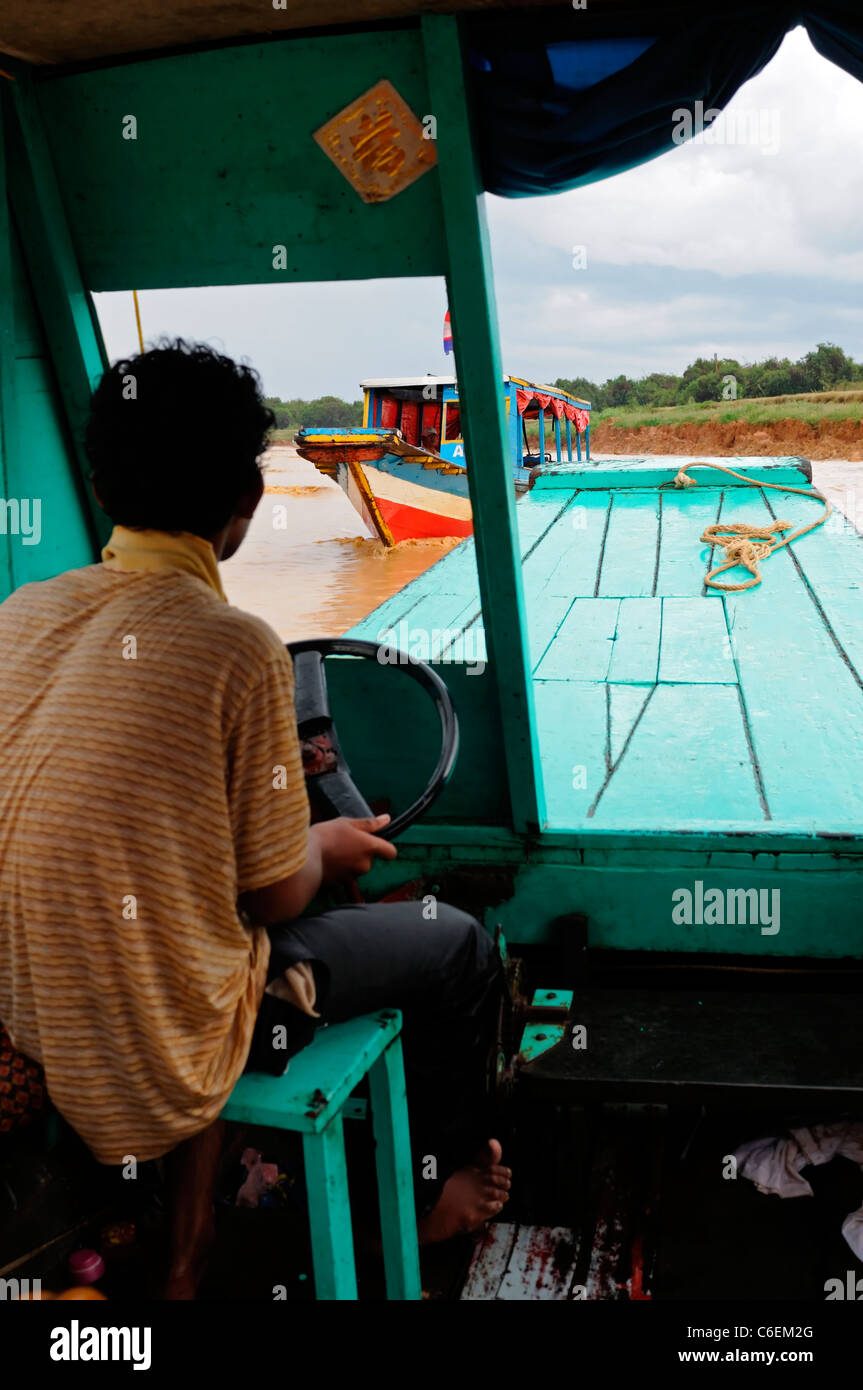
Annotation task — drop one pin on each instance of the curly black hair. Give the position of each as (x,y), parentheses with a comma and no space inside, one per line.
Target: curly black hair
(174,438)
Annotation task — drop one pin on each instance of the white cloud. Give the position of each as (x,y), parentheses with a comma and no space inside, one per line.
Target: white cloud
(729,207)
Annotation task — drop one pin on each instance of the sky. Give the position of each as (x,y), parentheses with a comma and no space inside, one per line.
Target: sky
(745,242)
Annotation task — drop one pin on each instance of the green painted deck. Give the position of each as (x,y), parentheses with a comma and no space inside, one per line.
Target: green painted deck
(664,707)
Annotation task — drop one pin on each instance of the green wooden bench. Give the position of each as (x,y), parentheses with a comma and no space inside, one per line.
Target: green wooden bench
(311,1098)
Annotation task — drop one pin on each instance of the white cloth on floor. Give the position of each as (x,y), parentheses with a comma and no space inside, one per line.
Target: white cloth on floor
(775,1165)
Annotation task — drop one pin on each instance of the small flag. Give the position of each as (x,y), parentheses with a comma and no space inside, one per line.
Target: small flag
(447,334)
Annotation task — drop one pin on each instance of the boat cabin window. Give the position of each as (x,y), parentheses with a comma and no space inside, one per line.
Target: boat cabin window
(452,418)
(408,410)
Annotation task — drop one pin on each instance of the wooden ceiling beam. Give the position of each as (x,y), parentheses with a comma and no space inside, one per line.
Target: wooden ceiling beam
(45,33)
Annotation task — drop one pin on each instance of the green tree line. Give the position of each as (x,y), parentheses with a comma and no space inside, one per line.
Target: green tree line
(703,380)
(326,410)
(706,380)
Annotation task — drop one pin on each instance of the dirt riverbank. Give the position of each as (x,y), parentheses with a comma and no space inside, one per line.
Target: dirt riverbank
(824,440)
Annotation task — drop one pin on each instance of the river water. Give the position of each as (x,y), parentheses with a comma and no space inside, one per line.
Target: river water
(307,565)
(309,569)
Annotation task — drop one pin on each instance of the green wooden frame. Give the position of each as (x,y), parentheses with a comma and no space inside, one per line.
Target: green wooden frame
(66,309)
(475,334)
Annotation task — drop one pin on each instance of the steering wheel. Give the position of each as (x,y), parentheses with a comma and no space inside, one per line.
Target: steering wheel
(332,790)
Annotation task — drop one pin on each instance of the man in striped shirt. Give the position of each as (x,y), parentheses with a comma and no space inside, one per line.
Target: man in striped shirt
(155,850)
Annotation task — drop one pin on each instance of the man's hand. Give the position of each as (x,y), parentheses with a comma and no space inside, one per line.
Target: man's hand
(350,847)
(337,849)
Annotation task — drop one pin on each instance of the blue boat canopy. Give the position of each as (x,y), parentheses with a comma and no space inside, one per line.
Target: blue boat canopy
(566,96)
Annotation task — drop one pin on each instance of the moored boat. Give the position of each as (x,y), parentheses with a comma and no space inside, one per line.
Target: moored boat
(405,469)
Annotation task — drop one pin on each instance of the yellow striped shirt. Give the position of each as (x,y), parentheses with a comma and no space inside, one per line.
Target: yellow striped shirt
(150,774)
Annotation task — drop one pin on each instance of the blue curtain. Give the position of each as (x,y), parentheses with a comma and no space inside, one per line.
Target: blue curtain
(564,97)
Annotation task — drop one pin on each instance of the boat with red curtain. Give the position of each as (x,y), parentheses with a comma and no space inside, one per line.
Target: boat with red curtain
(405,469)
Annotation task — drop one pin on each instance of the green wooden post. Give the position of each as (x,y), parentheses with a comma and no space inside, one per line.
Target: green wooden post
(557,438)
(68,317)
(568,439)
(395,1186)
(8,384)
(330,1213)
(474,321)
(541,435)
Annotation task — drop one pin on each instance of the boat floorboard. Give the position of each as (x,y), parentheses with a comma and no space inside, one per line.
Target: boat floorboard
(663,706)
(634,1202)
(695,1045)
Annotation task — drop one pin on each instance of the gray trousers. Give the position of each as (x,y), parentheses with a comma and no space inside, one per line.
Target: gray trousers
(445,977)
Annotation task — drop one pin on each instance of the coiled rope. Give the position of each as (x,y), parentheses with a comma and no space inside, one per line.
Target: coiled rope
(747,545)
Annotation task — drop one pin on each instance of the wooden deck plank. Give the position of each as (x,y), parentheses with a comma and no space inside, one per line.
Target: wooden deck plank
(436,623)
(388,614)
(833,550)
(695,647)
(626,704)
(431,614)
(455,573)
(682,557)
(583,646)
(629,556)
(653,472)
(687,763)
(842,606)
(470,644)
(831,562)
(635,655)
(488,1262)
(576,542)
(803,703)
(536,514)
(552,548)
(545,616)
(515,1263)
(541,1265)
(572,720)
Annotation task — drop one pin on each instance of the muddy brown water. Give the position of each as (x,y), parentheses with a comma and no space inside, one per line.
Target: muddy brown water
(307,565)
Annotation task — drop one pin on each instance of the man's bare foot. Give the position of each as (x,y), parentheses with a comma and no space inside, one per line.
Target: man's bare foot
(470,1197)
